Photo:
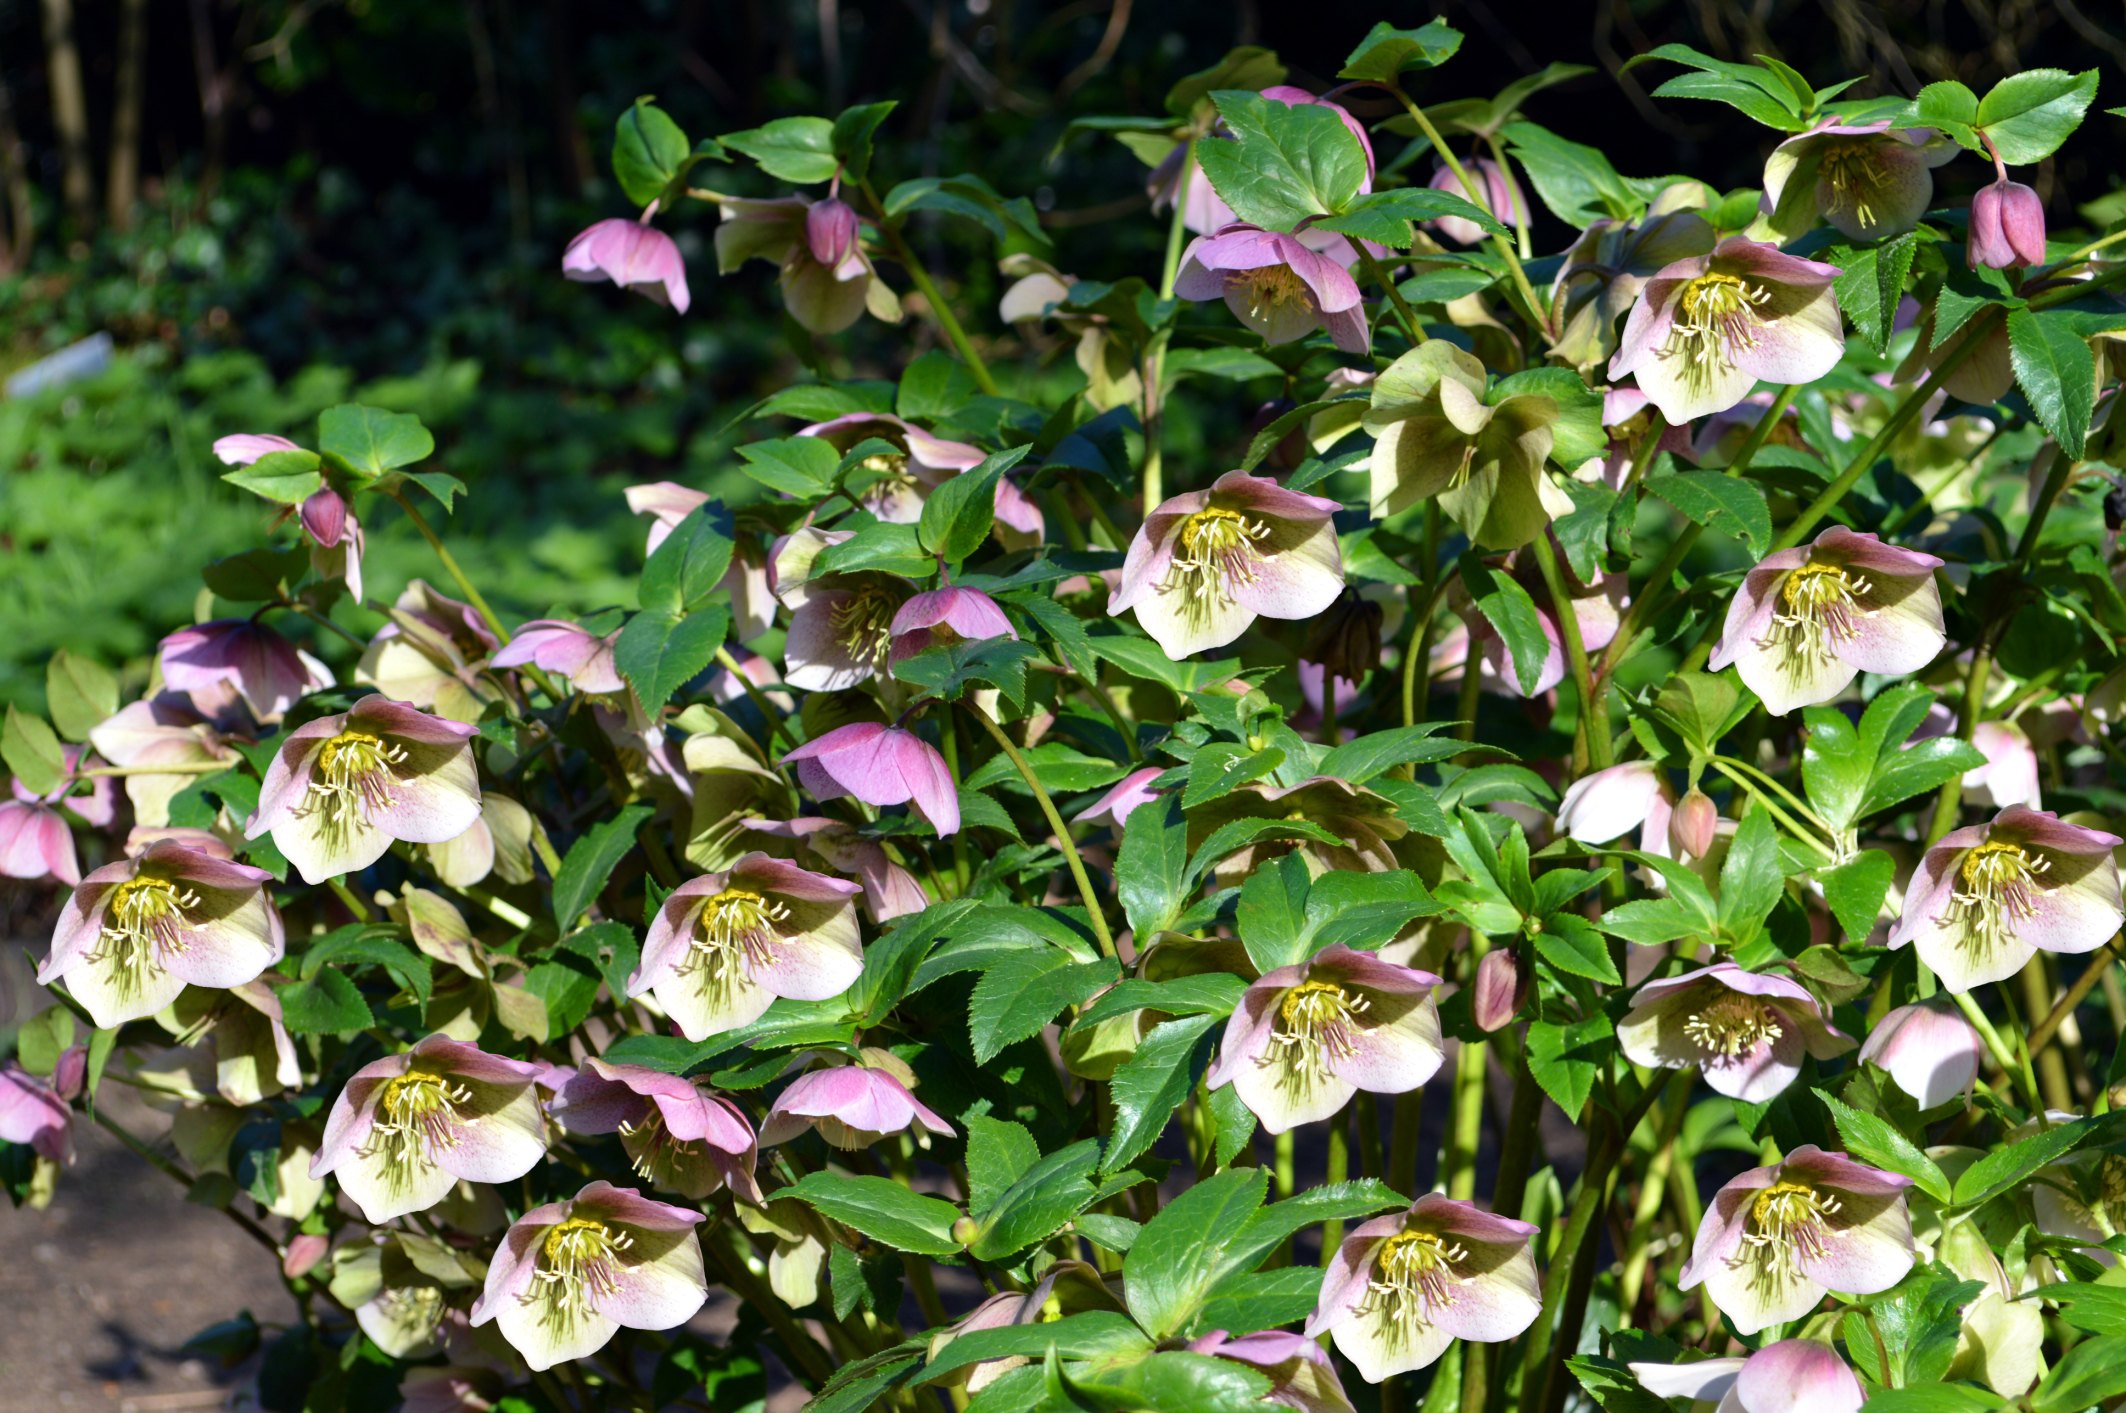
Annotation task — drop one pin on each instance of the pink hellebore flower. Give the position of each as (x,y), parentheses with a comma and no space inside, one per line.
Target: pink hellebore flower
(1808,620)
(852,1106)
(1497,197)
(948,615)
(270,673)
(568,1275)
(1776,1238)
(1929,1050)
(137,932)
(681,1137)
(35,842)
(824,298)
(1868,180)
(1986,899)
(841,624)
(1206,564)
(633,256)
(1708,328)
(2007,227)
(880,765)
(568,649)
(1307,1037)
(667,503)
(1302,1376)
(342,788)
(1113,808)
(906,476)
(724,946)
(1403,1287)
(336,540)
(1610,802)
(243,448)
(1597,609)
(32,1112)
(1747,1032)
(408,1128)
(429,654)
(1792,1376)
(1276,286)
(164,731)
(890,891)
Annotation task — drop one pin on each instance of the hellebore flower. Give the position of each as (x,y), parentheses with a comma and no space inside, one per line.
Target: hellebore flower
(243,448)
(1929,1050)
(164,731)
(1605,269)
(852,1106)
(336,540)
(32,1112)
(1301,1373)
(1065,1288)
(1708,328)
(906,476)
(667,503)
(841,624)
(1987,898)
(136,932)
(35,842)
(568,649)
(1807,621)
(633,255)
(407,1128)
(1401,1288)
(1306,1038)
(1206,564)
(880,765)
(1745,1031)
(1776,1238)
(1610,802)
(2007,227)
(1867,179)
(1693,826)
(1113,808)
(1436,436)
(1276,286)
(831,231)
(824,298)
(680,1137)
(947,615)
(1792,1376)
(1502,988)
(568,1275)
(724,946)
(270,673)
(890,891)
(342,788)
(1495,195)
(429,654)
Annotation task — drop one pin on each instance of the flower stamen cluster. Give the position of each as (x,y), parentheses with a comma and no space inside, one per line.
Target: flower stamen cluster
(145,923)
(1315,1026)
(1821,610)
(1786,1224)
(577,1267)
(1414,1278)
(1997,892)
(1731,1026)
(1217,551)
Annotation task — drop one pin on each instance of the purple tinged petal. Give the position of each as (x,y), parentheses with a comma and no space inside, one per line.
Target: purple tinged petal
(631,255)
(1798,1376)
(1115,805)
(243,448)
(1929,1049)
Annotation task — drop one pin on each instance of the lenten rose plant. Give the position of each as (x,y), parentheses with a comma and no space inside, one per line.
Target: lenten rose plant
(1427,776)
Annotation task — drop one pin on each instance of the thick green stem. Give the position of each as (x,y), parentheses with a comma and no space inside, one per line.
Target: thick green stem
(1403,313)
(1594,735)
(948,323)
(1458,1166)
(1950,800)
(1062,831)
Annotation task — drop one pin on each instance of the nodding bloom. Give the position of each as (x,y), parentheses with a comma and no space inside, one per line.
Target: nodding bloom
(634,256)
(948,615)
(1206,564)
(568,1275)
(852,1106)
(890,891)
(1610,263)
(1746,1031)
(1495,194)
(2007,227)
(1694,825)
(1792,1376)
(1502,987)
(724,946)
(1403,1287)
(831,231)
(35,841)
(1986,899)
(33,1113)
(243,448)
(1867,179)
(1307,1037)
(342,788)
(162,731)
(1808,620)
(1776,1238)
(681,1137)
(880,765)
(1301,1374)
(408,1128)
(1114,807)
(336,540)
(429,654)
(841,624)
(242,655)
(1930,1051)
(137,932)
(569,649)
(919,463)
(1276,286)
(824,298)
(1708,328)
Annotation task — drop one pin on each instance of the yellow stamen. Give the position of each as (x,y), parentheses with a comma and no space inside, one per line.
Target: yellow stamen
(353,778)
(735,934)
(656,1155)
(863,623)
(1270,289)
(578,1265)
(1854,176)
(1998,892)
(143,924)
(1716,317)
(1316,1023)
(416,1114)
(1786,1224)
(1733,1026)
(1413,1277)
(1215,550)
(1820,611)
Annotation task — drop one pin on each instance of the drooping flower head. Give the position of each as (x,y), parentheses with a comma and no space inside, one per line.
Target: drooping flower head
(852,1106)
(1115,805)
(35,841)
(1307,1037)
(137,932)
(1401,1288)
(1986,899)
(32,1112)
(725,945)
(1275,285)
(259,665)
(1206,564)
(880,765)
(429,654)
(1708,328)
(569,1275)
(1869,180)
(342,788)
(948,615)
(918,465)
(1494,194)
(1302,1376)
(2007,227)
(633,255)
(1808,620)
(680,1136)
(841,624)
(1747,1031)
(569,649)
(408,1128)
(1608,803)
(824,298)
(1205,211)
(1792,1376)
(1776,1238)
(1929,1050)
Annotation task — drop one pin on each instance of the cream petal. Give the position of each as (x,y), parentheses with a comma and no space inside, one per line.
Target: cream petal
(365,1181)
(701,1010)
(1284,1093)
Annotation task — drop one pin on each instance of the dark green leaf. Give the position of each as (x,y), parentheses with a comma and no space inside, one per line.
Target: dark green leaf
(1286,162)
(881,1209)
(1152,1083)
(370,441)
(1387,51)
(2056,371)
(591,860)
(647,150)
(798,150)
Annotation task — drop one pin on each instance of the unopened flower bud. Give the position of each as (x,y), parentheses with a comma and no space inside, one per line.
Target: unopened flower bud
(1346,639)
(304,1251)
(1501,988)
(325,517)
(830,231)
(70,1074)
(2007,227)
(965,1230)
(1692,825)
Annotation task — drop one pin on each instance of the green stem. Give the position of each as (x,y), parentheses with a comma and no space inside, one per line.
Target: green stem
(1649,448)
(451,566)
(1517,1144)
(1785,795)
(759,698)
(2041,1035)
(1339,1170)
(1402,1151)
(1532,306)
(1403,313)
(346,895)
(1062,831)
(948,323)
(754,1293)
(1594,735)
(1765,802)
(1458,1167)
(1154,373)
(1950,800)
(2056,476)
(1997,1048)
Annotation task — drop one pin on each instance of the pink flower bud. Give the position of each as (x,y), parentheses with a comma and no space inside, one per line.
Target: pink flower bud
(304,1251)
(2007,227)
(1501,988)
(1692,826)
(70,1074)
(325,517)
(830,231)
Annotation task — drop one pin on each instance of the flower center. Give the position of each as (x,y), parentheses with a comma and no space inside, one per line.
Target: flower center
(2111,1190)
(1216,550)
(353,777)
(1786,1223)
(415,1114)
(1715,318)
(144,923)
(1271,289)
(656,1154)
(1413,1275)
(1316,1024)
(578,1265)
(736,933)
(1854,176)
(413,1307)
(1819,610)
(863,624)
(1997,891)
(1733,1026)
